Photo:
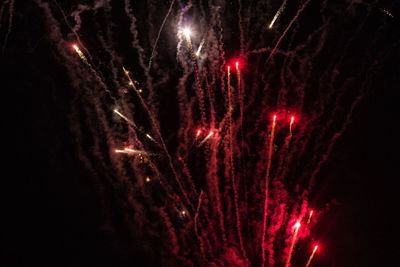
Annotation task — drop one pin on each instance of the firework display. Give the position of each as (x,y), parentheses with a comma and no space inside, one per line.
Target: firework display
(210,122)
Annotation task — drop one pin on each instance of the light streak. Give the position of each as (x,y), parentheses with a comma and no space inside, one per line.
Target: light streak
(121,151)
(151,138)
(312,256)
(134,151)
(206,138)
(124,117)
(297,227)
(198,133)
(187,32)
(240,92)
(80,54)
(309,217)
(291,125)
(278,13)
(271,144)
(240,99)
(200,46)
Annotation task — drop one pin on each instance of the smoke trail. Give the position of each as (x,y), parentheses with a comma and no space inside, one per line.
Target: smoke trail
(159,33)
(10,17)
(286,30)
(270,147)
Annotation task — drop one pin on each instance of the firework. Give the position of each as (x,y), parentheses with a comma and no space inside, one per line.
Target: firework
(278,13)
(311,256)
(240,91)
(296,231)
(124,117)
(212,197)
(151,138)
(270,149)
(387,12)
(200,46)
(198,132)
(80,54)
(206,138)
(199,91)
(134,151)
(309,217)
(291,125)
(122,151)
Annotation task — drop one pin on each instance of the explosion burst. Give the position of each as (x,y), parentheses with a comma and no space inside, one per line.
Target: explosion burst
(229,179)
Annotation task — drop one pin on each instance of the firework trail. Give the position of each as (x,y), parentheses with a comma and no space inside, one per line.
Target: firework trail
(297,227)
(309,217)
(291,125)
(211,133)
(199,91)
(387,12)
(125,118)
(286,30)
(196,218)
(278,13)
(241,96)
(200,46)
(159,33)
(312,256)
(270,149)
(81,55)
(232,166)
(155,126)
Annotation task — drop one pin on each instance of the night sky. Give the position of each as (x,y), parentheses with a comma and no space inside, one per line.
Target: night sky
(66,201)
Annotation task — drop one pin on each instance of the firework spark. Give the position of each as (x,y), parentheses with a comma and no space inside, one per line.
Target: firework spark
(200,46)
(198,132)
(134,151)
(124,117)
(291,125)
(278,13)
(309,217)
(80,54)
(206,138)
(296,231)
(122,151)
(311,256)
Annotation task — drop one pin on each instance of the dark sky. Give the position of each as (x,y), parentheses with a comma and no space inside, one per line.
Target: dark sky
(54,216)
